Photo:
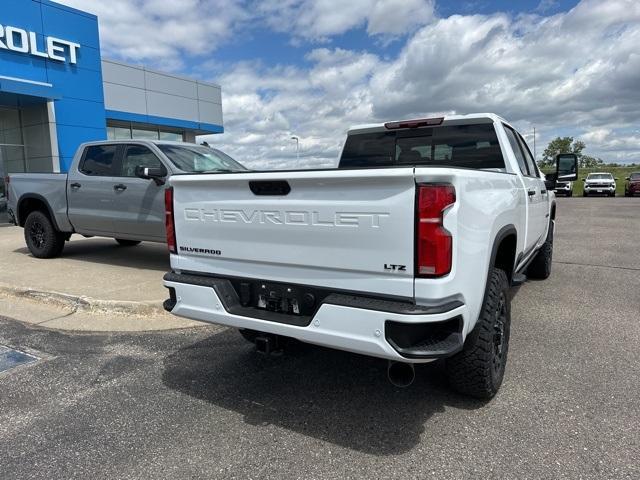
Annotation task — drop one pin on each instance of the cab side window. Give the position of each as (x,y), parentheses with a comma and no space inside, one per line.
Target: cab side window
(98,160)
(531,163)
(138,156)
(517,151)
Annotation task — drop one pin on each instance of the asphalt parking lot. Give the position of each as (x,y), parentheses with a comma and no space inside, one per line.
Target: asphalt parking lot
(199,403)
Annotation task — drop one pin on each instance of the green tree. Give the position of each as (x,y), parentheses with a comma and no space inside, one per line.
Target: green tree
(587,161)
(561,145)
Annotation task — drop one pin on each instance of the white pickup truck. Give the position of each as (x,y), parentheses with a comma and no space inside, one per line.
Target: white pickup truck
(406,252)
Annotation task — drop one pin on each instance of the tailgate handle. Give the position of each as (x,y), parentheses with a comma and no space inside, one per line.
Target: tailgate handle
(270,187)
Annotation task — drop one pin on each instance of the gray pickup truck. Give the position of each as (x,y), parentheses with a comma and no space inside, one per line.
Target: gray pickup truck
(113,189)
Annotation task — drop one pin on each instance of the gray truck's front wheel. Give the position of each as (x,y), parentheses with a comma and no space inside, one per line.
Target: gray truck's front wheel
(41,236)
(479,368)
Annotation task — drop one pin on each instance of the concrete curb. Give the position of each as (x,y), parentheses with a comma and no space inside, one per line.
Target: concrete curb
(84,303)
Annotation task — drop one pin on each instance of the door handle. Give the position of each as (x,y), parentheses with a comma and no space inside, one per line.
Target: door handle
(75,185)
(120,187)
(531,192)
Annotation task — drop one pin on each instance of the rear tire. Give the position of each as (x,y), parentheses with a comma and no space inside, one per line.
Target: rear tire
(478,370)
(540,268)
(41,236)
(584,194)
(127,243)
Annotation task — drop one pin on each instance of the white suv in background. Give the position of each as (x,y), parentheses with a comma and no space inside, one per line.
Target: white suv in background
(564,188)
(599,183)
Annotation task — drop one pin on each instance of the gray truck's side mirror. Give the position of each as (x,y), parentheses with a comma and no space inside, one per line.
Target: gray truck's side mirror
(156,174)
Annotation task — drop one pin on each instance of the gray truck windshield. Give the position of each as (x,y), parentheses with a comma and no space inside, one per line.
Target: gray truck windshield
(467,146)
(194,159)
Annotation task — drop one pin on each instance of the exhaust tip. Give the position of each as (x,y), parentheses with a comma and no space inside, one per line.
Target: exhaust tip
(401,374)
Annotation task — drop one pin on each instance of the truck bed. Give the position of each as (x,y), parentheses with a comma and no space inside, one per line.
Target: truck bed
(49,186)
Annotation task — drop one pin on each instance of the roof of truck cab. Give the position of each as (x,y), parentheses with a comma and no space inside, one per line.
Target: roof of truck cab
(141,140)
(448,120)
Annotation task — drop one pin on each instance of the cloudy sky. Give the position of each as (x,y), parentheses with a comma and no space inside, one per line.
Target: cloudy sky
(312,68)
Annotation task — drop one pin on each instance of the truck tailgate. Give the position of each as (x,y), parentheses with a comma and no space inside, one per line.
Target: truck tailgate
(350,230)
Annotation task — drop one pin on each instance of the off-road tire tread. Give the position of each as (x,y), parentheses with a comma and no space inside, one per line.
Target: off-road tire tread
(470,371)
(55,240)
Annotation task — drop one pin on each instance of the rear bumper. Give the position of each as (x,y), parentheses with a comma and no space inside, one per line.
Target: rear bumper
(385,329)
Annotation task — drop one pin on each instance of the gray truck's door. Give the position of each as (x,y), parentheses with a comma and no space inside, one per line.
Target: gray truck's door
(139,202)
(90,199)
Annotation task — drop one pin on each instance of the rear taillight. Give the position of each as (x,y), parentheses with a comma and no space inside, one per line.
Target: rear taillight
(169,220)
(433,242)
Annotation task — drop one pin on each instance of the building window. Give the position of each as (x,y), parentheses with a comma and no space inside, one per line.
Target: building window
(171,136)
(119,131)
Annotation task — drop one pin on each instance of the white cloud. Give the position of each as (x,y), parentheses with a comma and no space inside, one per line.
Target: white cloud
(574,73)
(319,19)
(162,32)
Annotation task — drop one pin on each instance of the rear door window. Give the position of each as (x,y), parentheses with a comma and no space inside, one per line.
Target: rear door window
(517,151)
(463,146)
(99,160)
(531,163)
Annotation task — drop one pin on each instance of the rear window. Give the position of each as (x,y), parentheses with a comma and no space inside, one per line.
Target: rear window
(464,146)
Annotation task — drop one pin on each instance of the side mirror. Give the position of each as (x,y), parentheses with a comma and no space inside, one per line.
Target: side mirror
(617,178)
(584,179)
(156,174)
(567,167)
(627,178)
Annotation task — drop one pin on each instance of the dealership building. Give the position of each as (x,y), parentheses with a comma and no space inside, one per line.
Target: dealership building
(56,91)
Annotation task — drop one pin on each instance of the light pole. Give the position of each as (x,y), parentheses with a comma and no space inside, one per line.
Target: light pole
(297,139)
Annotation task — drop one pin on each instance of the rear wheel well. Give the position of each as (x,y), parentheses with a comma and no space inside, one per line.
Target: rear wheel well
(506,255)
(29,205)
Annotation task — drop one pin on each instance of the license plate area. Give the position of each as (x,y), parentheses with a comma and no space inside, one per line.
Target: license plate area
(293,301)
(278,299)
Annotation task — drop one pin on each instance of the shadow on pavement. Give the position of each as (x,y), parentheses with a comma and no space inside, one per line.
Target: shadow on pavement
(333,396)
(147,255)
